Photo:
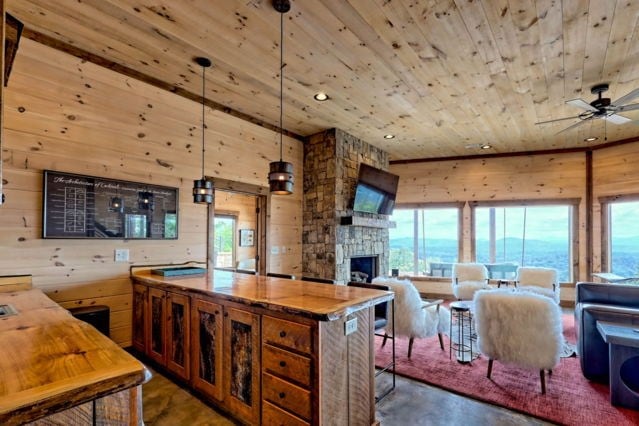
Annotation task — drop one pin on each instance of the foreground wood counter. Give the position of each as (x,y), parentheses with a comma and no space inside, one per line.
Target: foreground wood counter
(52,363)
(266,350)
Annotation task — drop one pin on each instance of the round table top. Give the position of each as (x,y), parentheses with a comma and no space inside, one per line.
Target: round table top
(461,305)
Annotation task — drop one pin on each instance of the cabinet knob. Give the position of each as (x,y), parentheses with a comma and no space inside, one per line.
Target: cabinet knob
(282,333)
(226,314)
(282,395)
(217,312)
(282,363)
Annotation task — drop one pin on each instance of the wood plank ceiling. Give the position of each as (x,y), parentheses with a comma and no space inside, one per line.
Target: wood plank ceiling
(439,75)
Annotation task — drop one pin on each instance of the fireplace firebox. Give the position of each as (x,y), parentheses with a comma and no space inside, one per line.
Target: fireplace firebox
(363,268)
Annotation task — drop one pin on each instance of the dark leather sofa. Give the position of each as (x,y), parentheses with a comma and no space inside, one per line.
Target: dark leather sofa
(601,302)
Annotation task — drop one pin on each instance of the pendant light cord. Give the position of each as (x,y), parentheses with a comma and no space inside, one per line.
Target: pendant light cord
(281,79)
(203,125)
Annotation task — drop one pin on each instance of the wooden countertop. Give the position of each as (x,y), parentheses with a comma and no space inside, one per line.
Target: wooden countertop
(50,361)
(322,302)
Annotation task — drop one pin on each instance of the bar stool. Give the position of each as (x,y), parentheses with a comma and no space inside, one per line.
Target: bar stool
(462,319)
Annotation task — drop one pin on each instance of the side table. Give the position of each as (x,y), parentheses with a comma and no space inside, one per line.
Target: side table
(461,319)
(623,344)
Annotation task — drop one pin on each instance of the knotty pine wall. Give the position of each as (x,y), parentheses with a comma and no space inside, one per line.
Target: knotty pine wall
(64,114)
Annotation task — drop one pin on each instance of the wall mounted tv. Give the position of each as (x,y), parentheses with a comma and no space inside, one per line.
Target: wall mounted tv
(375,191)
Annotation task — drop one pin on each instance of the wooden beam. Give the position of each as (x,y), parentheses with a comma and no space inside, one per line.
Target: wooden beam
(129,72)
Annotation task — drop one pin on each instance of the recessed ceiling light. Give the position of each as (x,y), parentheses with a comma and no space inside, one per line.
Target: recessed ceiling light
(389,136)
(590,139)
(486,146)
(320,96)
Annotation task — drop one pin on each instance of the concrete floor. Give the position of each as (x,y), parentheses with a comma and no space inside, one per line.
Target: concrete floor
(411,403)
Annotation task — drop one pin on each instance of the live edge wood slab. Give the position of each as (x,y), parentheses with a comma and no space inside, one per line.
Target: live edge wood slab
(51,362)
(321,302)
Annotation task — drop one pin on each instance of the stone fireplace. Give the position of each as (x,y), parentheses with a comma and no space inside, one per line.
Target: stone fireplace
(332,233)
(363,268)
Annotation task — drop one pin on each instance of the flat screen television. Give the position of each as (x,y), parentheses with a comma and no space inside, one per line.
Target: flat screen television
(375,191)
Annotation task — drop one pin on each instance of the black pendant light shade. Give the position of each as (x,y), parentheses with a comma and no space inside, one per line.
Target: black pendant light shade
(117,205)
(280,176)
(202,191)
(145,200)
(203,188)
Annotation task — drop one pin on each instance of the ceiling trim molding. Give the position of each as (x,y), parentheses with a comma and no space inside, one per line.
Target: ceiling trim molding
(518,154)
(145,78)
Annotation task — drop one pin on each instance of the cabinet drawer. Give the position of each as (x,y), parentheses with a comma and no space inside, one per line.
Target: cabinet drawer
(287,364)
(286,395)
(272,415)
(286,333)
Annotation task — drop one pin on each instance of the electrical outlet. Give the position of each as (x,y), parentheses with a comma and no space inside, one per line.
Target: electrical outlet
(350,326)
(121,255)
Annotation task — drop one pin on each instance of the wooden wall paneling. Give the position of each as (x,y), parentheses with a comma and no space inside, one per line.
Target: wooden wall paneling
(61,116)
(2,90)
(333,373)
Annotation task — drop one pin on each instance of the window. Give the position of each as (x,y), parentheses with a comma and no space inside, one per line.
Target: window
(623,237)
(425,241)
(537,235)
(224,241)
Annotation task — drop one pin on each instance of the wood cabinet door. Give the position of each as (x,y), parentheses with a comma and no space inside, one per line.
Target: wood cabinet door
(177,334)
(139,314)
(206,344)
(156,326)
(242,364)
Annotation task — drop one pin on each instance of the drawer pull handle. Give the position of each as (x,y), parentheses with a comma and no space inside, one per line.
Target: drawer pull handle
(282,363)
(282,333)
(282,395)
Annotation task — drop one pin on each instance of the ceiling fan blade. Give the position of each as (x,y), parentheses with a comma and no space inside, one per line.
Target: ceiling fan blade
(580,103)
(573,126)
(627,98)
(616,119)
(628,107)
(558,119)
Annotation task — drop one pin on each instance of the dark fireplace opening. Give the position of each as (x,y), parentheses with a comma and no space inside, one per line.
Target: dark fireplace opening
(363,268)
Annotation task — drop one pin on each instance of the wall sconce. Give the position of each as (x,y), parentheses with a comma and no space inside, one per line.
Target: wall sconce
(203,188)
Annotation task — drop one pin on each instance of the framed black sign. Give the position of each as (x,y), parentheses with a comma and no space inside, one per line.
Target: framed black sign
(77,206)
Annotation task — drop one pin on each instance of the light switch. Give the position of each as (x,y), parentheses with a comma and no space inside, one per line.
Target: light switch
(121,255)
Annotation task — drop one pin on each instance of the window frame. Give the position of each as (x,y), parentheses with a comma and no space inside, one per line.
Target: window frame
(605,203)
(459,205)
(573,232)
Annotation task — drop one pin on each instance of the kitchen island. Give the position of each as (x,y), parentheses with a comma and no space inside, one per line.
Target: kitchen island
(265,350)
(56,369)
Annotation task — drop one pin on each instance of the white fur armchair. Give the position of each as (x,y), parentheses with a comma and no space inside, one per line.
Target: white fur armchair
(415,317)
(519,328)
(538,280)
(467,278)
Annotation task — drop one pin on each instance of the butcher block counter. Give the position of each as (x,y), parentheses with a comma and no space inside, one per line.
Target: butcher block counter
(56,369)
(266,350)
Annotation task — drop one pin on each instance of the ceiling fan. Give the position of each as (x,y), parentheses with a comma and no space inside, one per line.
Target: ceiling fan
(600,108)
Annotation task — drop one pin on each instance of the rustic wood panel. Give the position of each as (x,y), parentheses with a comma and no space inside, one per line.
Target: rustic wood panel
(178,330)
(206,335)
(65,114)
(439,75)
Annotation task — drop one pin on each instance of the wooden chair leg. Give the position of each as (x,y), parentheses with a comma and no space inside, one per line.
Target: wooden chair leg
(441,341)
(543,381)
(410,346)
(384,341)
(490,368)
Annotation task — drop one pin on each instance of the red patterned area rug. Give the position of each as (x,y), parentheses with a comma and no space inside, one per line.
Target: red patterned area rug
(570,398)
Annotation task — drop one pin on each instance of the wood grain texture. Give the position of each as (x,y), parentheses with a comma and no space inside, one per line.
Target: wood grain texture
(80,363)
(65,114)
(15,283)
(311,300)
(438,75)
(207,355)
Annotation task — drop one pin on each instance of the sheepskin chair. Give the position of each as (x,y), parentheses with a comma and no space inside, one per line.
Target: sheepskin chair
(519,328)
(538,280)
(414,317)
(467,279)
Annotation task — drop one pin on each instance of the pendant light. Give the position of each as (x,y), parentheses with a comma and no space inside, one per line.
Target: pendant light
(280,177)
(203,188)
